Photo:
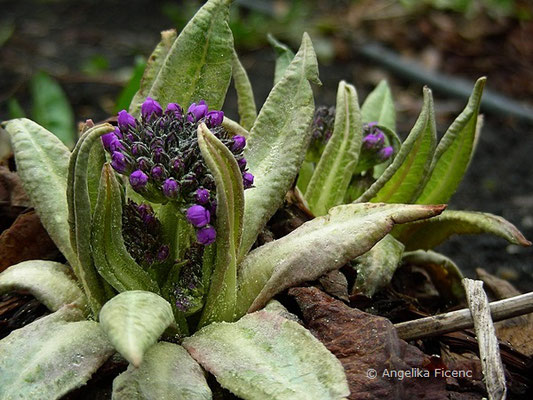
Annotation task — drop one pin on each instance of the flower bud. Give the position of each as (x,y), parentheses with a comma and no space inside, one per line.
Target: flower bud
(170,187)
(238,143)
(151,108)
(247,180)
(241,162)
(198,216)
(206,235)
(174,108)
(202,196)
(118,162)
(197,111)
(125,120)
(385,153)
(111,142)
(214,118)
(138,179)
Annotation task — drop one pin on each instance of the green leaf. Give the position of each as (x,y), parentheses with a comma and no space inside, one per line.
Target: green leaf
(42,165)
(111,258)
(80,219)
(428,234)
(49,282)
(167,372)
(125,97)
(400,182)
(444,274)
(51,356)
(454,152)
(51,108)
(198,65)
(379,107)
(14,109)
(304,175)
(133,321)
(151,71)
(376,267)
(284,56)
(94,171)
(333,173)
(319,246)
(265,356)
(220,304)
(278,140)
(245,94)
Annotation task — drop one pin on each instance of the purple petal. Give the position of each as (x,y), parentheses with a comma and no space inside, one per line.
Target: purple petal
(214,118)
(170,187)
(151,108)
(138,179)
(198,216)
(248,180)
(126,120)
(238,143)
(202,196)
(206,235)
(197,111)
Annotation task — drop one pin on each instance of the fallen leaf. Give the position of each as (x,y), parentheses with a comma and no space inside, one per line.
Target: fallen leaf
(369,349)
(335,284)
(25,240)
(11,190)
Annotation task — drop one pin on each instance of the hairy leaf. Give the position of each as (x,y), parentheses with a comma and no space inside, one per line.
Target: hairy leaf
(454,152)
(333,173)
(220,304)
(376,267)
(284,56)
(133,321)
(48,281)
(198,64)
(400,182)
(167,372)
(277,142)
(153,66)
(80,219)
(111,258)
(428,234)
(51,356)
(42,164)
(51,108)
(265,356)
(379,107)
(245,94)
(318,246)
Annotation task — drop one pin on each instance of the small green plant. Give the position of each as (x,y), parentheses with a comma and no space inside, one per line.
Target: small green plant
(157,217)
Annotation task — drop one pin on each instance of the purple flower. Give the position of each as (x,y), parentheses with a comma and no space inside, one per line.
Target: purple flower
(198,216)
(176,109)
(247,180)
(111,142)
(170,187)
(241,162)
(157,172)
(163,253)
(238,143)
(149,108)
(126,120)
(138,179)
(197,111)
(202,196)
(214,118)
(373,141)
(206,235)
(385,153)
(372,124)
(118,162)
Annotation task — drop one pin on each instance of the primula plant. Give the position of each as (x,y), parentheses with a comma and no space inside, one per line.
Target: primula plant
(158,218)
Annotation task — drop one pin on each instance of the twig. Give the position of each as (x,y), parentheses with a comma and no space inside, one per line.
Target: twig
(489,352)
(462,319)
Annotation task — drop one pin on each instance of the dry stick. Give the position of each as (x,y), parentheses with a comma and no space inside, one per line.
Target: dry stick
(462,319)
(489,351)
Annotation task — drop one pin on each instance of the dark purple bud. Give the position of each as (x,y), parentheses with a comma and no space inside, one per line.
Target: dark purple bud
(214,118)
(162,253)
(118,133)
(126,120)
(170,187)
(206,235)
(385,153)
(130,137)
(247,180)
(149,108)
(374,141)
(157,154)
(202,196)
(157,172)
(118,162)
(177,164)
(242,163)
(196,111)
(198,216)
(138,179)
(238,143)
(149,219)
(144,164)
(110,142)
(213,207)
(174,108)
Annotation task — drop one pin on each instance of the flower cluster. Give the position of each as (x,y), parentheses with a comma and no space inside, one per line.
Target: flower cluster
(142,234)
(321,131)
(160,155)
(188,291)
(374,143)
